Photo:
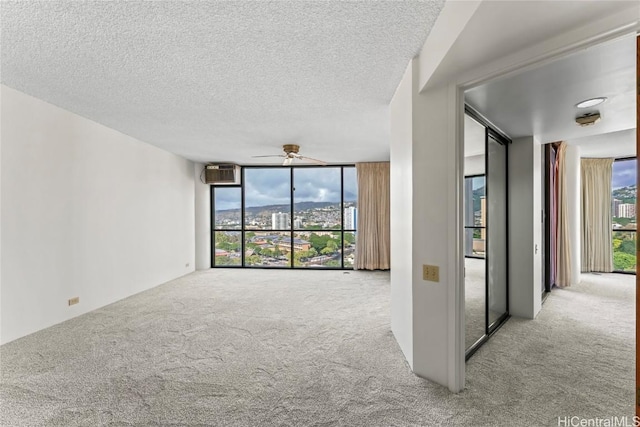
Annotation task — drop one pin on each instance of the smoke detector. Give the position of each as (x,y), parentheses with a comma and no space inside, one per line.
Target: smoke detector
(588,119)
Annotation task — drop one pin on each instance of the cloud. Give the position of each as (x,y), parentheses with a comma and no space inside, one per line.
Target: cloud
(624,173)
(227,198)
(267,186)
(317,185)
(271,186)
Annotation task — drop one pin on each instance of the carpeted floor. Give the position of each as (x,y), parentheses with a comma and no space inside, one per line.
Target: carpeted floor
(312,348)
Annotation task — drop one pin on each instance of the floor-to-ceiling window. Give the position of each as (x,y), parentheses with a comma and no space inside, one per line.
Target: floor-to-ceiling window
(623,208)
(286,217)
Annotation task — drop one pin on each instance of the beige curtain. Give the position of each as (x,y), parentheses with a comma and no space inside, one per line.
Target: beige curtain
(597,252)
(373,241)
(564,275)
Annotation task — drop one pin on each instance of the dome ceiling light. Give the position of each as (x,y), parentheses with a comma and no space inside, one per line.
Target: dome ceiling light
(592,102)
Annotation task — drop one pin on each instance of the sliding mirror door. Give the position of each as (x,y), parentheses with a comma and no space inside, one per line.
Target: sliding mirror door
(497,226)
(485,231)
(474,231)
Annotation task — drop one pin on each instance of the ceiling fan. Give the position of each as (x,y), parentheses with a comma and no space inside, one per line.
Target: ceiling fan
(291,154)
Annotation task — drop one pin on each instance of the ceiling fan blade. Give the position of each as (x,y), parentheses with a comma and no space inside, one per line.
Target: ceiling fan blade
(271,155)
(309,159)
(287,161)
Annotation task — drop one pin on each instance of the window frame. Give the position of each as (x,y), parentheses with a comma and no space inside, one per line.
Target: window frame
(474,227)
(615,230)
(291,230)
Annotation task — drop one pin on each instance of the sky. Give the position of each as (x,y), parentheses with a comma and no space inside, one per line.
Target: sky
(271,186)
(624,173)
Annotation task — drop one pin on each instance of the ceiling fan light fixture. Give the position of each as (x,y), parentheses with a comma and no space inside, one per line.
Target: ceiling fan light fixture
(591,102)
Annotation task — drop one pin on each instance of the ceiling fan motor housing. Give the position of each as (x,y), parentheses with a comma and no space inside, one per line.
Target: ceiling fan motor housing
(291,148)
(588,119)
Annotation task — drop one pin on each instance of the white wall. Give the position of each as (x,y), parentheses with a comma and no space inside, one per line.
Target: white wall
(401,214)
(86,212)
(572,165)
(203,219)
(1,214)
(425,198)
(434,210)
(525,237)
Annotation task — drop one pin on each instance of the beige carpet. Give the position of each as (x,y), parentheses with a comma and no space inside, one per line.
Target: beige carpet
(312,348)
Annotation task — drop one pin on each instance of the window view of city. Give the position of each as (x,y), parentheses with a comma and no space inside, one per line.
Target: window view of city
(315,228)
(623,208)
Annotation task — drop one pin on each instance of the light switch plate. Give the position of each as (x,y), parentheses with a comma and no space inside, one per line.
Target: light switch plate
(431,273)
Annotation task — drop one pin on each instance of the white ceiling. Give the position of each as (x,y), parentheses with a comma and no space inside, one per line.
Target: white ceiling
(222,81)
(502,28)
(613,144)
(541,101)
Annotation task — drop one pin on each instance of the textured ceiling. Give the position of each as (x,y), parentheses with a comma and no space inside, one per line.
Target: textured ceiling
(221,81)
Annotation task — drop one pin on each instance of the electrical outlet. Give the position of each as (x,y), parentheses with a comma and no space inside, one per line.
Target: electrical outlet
(186,265)
(431,273)
(74,300)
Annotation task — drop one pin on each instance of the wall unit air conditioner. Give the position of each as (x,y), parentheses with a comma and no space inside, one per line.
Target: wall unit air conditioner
(220,173)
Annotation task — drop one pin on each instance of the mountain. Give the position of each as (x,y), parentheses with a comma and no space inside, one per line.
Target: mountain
(300,206)
(625,194)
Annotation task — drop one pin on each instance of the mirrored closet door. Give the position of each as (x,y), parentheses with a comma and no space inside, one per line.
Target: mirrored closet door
(485,231)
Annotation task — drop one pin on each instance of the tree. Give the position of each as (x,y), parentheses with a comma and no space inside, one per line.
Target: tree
(628,247)
(616,244)
(327,251)
(225,260)
(622,221)
(318,242)
(623,261)
(253,260)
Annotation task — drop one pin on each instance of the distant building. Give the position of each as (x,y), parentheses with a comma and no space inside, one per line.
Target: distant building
(614,206)
(279,221)
(626,210)
(350,218)
(298,244)
(297,223)
(221,252)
